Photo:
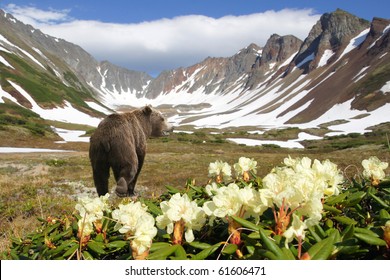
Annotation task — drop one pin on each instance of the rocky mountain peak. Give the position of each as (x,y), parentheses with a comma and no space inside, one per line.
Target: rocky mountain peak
(279,48)
(276,50)
(330,33)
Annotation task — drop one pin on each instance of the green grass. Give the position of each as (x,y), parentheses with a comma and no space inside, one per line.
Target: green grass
(41,185)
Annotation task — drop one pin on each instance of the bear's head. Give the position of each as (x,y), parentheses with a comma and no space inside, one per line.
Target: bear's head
(159,124)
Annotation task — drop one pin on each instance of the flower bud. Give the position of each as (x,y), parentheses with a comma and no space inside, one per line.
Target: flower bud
(386,233)
(136,255)
(246,176)
(305,257)
(178,231)
(235,234)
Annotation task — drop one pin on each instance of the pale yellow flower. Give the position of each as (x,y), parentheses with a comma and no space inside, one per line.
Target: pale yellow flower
(91,211)
(181,209)
(231,200)
(301,185)
(245,164)
(127,216)
(144,234)
(221,171)
(297,229)
(374,169)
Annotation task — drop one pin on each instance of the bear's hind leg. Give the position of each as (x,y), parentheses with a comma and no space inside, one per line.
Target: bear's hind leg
(124,180)
(100,178)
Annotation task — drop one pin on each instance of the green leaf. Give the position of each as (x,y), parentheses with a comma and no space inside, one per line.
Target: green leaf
(71,250)
(332,200)
(59,236)
(289,255)
(99,237)
(198,190)
(254,235)
(370,239)
(163,253)
(366,231)
(97,247)
(323,249)
(355,198)
(380,201)
(229,249)
(153,208)
(61,248)
(348,232)
(172,190)
(207,252)
(272,246)
(159,245)
(314,234)
(345,220)
(50,228)
(200,245)
(118,244)
(332,209)
(384,215)
(180,253)
(87,255)
(268,254)
(246,223)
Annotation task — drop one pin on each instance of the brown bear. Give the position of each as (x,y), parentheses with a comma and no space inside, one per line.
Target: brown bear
(119,142)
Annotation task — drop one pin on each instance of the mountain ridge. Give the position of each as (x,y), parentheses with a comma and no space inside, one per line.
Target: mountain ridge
(284,83)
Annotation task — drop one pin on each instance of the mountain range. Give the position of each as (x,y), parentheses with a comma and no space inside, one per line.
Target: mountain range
(337,78)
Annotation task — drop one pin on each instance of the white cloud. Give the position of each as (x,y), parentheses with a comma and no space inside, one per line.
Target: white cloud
(170,43)
(37,17)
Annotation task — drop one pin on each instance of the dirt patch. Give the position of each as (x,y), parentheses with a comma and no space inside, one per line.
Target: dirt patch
(25,169)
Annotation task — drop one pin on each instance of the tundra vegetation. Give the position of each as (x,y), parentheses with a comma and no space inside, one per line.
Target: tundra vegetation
(201,197)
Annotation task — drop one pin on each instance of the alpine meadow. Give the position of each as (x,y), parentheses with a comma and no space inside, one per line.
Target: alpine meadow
(279,152)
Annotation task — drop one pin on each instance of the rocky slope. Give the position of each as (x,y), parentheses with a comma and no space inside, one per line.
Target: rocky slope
(339,74)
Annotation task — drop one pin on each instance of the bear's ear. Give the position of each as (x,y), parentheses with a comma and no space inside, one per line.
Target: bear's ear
(147,110)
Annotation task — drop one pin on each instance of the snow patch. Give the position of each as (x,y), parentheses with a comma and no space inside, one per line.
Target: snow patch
(325,57)
(65,114)
(360,75)
(253,142)
(70,135)
(386,88)
(2,38)
(98,107)
(307,59)
(5,62)
(7,150)
(355,42)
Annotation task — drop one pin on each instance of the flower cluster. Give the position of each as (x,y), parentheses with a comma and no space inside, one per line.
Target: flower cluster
(179,214)
(91,211)
(137,224)
(244,166)
(222,171)
(294,191)
(374,170)
(234,201)
(300,186)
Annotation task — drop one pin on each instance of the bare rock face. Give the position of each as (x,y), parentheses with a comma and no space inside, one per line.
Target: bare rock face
(279,48)
(276,51)
(209,75)
(332,32)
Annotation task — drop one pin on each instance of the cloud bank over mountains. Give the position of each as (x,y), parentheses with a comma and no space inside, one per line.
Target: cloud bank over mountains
(167,43)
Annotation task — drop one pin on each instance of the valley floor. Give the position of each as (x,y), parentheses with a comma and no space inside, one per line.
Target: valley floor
(47,184)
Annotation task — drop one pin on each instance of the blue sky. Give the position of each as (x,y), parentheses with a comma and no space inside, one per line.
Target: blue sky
(155,35)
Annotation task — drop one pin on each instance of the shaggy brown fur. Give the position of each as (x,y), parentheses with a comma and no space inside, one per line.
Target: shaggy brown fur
(119,142)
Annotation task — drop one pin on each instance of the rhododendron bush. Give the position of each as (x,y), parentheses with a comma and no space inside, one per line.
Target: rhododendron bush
(302,209)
